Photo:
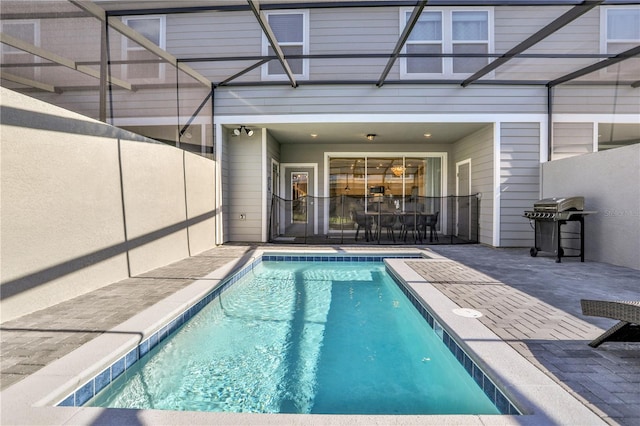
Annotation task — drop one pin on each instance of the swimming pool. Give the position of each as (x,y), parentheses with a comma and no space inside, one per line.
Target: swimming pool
(319,323)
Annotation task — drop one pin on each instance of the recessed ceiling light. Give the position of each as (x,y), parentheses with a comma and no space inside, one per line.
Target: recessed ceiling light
(427,135)
(314,135)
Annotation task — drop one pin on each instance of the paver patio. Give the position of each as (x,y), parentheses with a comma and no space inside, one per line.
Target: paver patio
(531,303)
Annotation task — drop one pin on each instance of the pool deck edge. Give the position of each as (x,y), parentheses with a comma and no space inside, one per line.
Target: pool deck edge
(542,400)
(27,401)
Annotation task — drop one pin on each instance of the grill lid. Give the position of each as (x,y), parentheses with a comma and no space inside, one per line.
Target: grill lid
(559,204)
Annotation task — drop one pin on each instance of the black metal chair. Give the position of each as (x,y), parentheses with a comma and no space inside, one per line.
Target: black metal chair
(387,222)
(362,221)
(431,222)
(411,220)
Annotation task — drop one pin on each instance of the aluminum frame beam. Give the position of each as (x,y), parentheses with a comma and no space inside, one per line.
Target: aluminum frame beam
(268,32)
(406,32)
(635,51)
(563,20)
(354,4)
(28,82)
(60,60)
(127,31)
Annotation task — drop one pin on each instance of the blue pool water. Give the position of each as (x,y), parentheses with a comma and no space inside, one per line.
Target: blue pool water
(300,337)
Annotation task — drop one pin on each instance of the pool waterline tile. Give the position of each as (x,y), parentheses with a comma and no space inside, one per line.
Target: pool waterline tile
(492,391)
(84,393)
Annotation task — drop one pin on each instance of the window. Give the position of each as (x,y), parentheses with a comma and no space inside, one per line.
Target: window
(621,29)
(426,37)
(447,31)
(290,30)
(28,31)
(470,34)
(142,63)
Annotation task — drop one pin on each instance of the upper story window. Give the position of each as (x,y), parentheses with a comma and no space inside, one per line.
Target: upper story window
(291,32)
(621,31)
(152,28)
(447,31)
(25,30)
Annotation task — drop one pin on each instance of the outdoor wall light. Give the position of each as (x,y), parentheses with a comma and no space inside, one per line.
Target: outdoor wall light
(371,136)
(238,131)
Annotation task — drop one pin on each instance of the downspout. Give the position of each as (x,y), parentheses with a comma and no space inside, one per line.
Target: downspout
(217,204)
(104,46)
(549,121)
(549,139)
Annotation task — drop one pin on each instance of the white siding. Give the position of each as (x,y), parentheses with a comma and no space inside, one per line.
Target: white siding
(519,181)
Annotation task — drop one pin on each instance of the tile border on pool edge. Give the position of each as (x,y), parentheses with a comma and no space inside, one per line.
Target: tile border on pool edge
(92,387)
(493,392)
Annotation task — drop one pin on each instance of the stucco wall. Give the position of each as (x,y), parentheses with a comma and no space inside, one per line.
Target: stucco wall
(85,204)
(609,182)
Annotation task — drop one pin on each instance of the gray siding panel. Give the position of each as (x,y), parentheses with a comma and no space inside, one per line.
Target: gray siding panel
(410,99)
(242,188)
(479,148)
(519,181)
(614,99)
(570,139)
(515,24)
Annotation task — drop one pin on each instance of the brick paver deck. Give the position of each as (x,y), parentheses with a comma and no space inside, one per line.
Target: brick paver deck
(537,321)
(606,379)
(33,341)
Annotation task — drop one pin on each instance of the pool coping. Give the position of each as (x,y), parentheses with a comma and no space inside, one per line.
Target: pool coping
(30,400)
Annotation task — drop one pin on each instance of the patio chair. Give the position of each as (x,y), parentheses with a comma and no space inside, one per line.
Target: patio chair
(412,220)
(431,223)
(628,313)
(362,221)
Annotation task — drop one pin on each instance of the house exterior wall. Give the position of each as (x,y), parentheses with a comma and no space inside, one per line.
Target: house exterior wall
(85,204)
(243,193)
(367,99)
(273,155)
(519,180)
(613,99)
(571,139)
(609,182)
(478,147)
(370,30)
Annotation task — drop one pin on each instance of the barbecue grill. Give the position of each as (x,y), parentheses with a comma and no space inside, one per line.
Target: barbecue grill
(556,220)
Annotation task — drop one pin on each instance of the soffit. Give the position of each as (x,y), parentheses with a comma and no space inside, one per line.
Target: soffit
(355,133)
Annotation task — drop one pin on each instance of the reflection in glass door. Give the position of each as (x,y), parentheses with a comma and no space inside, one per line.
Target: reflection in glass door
(299,191)
(359,184)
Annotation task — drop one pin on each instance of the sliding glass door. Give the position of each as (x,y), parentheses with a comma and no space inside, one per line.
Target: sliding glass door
(360,183)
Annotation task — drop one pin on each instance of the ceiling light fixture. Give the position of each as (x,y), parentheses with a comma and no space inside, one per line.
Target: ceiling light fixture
(371,136)
(427,135)
(397,170)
